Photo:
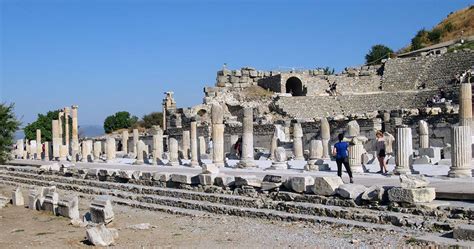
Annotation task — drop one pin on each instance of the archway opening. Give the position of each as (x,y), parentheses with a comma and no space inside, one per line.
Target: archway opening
(294,86)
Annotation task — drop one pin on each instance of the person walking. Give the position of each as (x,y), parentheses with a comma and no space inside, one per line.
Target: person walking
(381,153)
(342,156)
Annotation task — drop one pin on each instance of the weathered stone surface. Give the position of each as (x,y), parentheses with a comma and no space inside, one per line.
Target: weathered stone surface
(209,168)
(409,181)
(101,210)
(248,180)
(50,203)
(353,129)
(374,193)
(300,184)
(326,185)
(223,180)
(464,232)
(162,177)
(279,159)
(185,178)
(68,206)
(270,185)
(415,195)
(4,201)
(273,178)
(17,198)
(101,236)
(207,179)
(34,199)
(351,191)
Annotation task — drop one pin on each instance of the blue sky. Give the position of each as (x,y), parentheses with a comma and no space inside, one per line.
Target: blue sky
(108,56)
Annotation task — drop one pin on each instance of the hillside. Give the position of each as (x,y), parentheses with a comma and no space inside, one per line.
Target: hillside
(455,24)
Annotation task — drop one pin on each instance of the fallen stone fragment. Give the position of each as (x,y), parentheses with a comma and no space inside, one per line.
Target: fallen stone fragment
(326,185)
(223,180)
(409,181)
(464,232)
(300,184)
(273,178)
(34,202)
(207,179)
(183,178)
(101,236)
(17,198)
(101,210)
(68,206)
(209,168)
(50,203)
(162,177)
(351,191)
(4,201)
(414,195)
(141,226)
(270,185)
(374,193)
(247,180)
(125,174)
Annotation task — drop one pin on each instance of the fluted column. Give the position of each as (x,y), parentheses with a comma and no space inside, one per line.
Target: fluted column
(186,144)
(39,147)
(424,134)
(173,149)
(465,105)
(194,145)
(110,149)
(325,136)
(355,157)
(125,141)
(298,141)
(75,136)
(461,153)
(56,139)
(315,153)
(217,114)
(404,151)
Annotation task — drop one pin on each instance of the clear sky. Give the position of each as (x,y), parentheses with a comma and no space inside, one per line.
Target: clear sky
(108,56)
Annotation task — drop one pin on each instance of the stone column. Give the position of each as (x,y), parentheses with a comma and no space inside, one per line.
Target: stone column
(325,136)
(355,158)
(273,146)
(56,139)
(280,160)
(84,151)
(135,140)
(125,141)
(66,128)
(75,135)
(424,134)
(60,120)
(217,116)
(465,105)
(194,145)
(39,147)
(353,129)
(47,145)
(20,148)
(202,146)
(173,149)
(140,150)
(461,153)
(62,152)
(186,144)
(315,154)
(247,159)
(97,150)
(157,144)
(110,149)
(298,141)
(404,151)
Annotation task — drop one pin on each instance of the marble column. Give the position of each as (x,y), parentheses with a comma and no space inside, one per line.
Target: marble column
(39,147)
(202,146)
(20,148)
(47,150)
(136,136)
(140,152)
(325,136)
(66,128)
(465,105)
(173,149)
(280,160)
(353,129)
(355,157)
(97,150)
(424,134)
(404,155)
(298,141)
(157,145)
(125,141)
(110,149)
(84,151)
(63,152)
(461,152)
(315,154)
(217,117)
(56,139)
(273,146)
(186,144)
(75,134)
(194,145)
(60,120)
(247,158)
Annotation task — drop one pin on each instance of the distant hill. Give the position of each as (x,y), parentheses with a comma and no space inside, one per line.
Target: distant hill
(452,27)
(91,130)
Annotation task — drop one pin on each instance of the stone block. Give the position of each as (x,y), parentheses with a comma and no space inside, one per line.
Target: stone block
(248,180)
(34,202)
(375,194)
(50,203)
(101,236)
(224,180)
(207,179)
(270,185)
(101,210)
(434,153)
(209,168)
(17,198)
(69,207)
(273,178)
(162,177)
(413,195)
(146,176)
(351,191)
(300,184)
(464,232)
(326,185)
(185,178)
(125,174)
(136,175)
(410,181)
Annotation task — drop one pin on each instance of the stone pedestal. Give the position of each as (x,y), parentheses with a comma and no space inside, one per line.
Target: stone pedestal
(110,149)
(353,129)
(355,158)
(157,145)
(75,136)
(186,144)
(217,116)
(173,149)
(97,150)
(135,140)
(63,152)
(56,139)
(404,155)
(125,141)
(461,154)
(315,154)
(325,136)
(424,134)
(280,160)
(247,159)
(194,145)
(140,152)
(298,141)
(465,105)
(39,146)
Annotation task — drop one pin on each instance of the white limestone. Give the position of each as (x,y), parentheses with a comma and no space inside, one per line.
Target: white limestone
(298,141)
(217,114)
(424,134)
(247,157)
(173,149)
(326,185)
(101,210)
(404,155)
(17,198)
(157,145)
(110,155)
(39,147)
(461,152)
(325,136)
(125,141)
(280,160)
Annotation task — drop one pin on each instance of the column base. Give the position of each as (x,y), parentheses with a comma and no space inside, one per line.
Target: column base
(246,163)
(138,162)
(402,171)
(279,165)
(460,173)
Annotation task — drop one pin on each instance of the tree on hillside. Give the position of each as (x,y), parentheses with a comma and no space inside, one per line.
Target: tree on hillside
(154,118)
(377,53)
(8,126)
(44,123)
(120,120)
(419,40)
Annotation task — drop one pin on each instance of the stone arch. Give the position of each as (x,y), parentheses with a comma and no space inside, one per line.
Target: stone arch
(294,86)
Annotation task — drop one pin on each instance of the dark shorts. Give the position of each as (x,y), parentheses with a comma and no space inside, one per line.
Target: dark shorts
(381,153)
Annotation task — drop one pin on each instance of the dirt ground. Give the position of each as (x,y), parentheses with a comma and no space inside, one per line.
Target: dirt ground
(21,227)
